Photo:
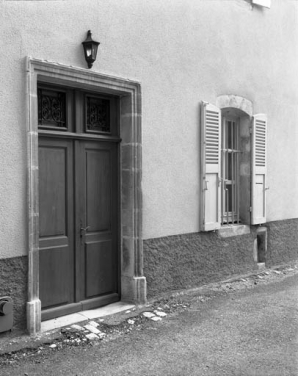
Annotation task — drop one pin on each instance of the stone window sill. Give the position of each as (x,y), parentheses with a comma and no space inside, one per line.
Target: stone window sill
(233,230)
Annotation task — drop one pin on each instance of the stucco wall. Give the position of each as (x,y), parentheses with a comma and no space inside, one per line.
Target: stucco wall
(182,52)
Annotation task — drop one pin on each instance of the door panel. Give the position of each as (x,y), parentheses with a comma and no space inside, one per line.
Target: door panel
(99,268)
(98,189)
(55,279)
(100,238)
(56,255)
(52,160)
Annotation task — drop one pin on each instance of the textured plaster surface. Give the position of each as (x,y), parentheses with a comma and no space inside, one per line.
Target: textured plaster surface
(13,283)
(182,52)
(282,242)
(184,261)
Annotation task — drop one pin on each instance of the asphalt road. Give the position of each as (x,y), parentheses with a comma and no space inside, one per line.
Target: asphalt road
(248,332)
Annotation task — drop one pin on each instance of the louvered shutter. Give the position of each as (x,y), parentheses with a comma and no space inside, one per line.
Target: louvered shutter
(259,169)
(211,153)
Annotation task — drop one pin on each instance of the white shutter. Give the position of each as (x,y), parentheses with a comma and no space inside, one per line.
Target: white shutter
(210,167)
(259,169)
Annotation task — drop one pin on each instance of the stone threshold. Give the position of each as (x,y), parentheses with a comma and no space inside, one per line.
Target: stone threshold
(84,316)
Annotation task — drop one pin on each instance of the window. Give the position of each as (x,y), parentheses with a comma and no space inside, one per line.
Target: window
(233,165)
(230,170)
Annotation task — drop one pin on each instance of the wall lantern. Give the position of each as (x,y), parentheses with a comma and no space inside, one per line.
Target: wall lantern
(90,49)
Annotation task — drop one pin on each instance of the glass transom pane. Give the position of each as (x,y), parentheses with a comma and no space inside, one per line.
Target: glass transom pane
(97,115)
(51,108)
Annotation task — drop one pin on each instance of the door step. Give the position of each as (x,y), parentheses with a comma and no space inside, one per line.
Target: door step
(84,316)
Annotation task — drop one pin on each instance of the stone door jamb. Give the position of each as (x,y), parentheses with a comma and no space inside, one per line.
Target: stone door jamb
(133,283)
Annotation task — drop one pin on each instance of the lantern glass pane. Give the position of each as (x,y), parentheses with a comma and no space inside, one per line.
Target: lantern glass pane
(88,51)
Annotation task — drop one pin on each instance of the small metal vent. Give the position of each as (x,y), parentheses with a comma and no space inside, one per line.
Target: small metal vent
(6,313)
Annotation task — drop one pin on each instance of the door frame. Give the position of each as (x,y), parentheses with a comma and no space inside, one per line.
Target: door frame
(133,282)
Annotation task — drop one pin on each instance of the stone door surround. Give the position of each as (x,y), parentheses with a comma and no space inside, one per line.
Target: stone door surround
(133,283)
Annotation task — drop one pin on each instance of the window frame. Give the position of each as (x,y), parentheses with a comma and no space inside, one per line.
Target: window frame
(211,197)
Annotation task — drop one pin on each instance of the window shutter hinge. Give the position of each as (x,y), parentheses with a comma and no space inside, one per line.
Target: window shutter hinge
(250,209)
(250,130)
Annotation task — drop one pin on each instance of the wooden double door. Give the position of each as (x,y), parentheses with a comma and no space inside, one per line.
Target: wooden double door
(78,231)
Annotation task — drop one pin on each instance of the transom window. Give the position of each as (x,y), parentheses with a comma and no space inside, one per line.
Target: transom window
(96,113)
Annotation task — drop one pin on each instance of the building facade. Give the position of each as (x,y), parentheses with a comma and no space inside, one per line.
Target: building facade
(170,163)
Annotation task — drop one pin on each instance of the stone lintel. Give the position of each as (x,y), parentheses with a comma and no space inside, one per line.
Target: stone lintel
(235,101)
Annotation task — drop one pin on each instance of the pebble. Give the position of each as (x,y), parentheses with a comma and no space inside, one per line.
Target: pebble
(277,271)
(93,323)
(127,311)
(130,322)
(92,336)
(148,314)
(77,327)
(92,329)
(53,346)
(160,313)
(155,318)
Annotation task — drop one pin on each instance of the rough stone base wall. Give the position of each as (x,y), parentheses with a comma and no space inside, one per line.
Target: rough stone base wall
(282,244)
(13,283)
(184,261)
(190,260)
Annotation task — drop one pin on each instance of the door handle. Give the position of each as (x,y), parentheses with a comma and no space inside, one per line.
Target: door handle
(83,230)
